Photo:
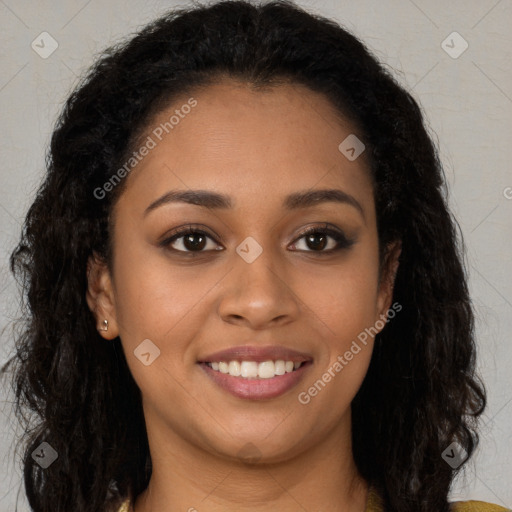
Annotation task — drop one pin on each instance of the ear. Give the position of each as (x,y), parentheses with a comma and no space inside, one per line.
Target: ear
(387,279)
(100,296)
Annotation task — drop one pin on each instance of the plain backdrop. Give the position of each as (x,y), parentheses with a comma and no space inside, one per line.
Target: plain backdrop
(466,94)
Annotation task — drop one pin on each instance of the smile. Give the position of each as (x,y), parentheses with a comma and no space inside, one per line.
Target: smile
(253,369)
(256,381)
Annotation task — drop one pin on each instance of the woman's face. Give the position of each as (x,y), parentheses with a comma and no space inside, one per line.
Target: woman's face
(250,277)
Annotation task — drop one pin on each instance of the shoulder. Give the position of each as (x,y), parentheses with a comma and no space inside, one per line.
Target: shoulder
(476,506)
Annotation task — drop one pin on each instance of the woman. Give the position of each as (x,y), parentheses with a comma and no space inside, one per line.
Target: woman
(243,281)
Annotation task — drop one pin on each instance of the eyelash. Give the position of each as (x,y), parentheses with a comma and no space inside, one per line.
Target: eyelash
(342,241)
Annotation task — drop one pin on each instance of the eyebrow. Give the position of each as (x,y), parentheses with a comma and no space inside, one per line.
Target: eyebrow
(295,201)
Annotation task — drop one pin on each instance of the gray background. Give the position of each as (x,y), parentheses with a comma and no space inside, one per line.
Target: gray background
(468,104)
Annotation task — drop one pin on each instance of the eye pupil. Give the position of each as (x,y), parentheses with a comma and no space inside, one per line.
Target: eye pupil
(312,236)
(190,245)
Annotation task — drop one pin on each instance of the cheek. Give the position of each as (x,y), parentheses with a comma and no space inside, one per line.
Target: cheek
(159,303)
(343,298)
(154,298)
(342,309)
(345,317)
(348,316)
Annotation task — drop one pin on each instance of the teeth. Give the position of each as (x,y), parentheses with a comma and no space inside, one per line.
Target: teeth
(234,368)
(279,367)
(254,370)
(249,369)
(266,370)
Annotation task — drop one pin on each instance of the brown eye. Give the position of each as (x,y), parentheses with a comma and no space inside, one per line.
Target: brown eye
(194,241)
(317,239)
(189,239)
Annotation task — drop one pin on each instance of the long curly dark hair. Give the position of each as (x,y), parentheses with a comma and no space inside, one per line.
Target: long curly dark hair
(76,392)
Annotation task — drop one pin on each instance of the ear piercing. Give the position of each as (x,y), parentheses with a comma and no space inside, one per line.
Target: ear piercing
(105,326)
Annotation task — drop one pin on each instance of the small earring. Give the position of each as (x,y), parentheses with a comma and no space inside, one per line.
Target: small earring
(105,326)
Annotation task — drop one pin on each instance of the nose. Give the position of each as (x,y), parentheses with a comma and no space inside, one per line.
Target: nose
(259,294)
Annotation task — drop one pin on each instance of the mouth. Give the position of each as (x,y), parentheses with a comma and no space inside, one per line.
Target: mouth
(256,373)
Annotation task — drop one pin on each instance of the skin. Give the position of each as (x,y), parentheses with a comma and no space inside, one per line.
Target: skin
(257,147)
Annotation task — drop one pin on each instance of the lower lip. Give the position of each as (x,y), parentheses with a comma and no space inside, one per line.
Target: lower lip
(256,389)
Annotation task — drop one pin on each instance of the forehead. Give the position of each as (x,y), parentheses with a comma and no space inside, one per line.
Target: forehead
(241,141)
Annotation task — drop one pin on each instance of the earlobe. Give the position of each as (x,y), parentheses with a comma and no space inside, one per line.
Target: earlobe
(100,296)
(387,282)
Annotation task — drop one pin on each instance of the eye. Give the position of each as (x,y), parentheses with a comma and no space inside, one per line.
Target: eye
(317,238)
(189,239)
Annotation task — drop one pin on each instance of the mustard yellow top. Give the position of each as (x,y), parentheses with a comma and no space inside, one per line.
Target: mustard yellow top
(374,504)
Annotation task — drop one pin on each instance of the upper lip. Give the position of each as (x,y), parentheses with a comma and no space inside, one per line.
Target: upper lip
(257,354)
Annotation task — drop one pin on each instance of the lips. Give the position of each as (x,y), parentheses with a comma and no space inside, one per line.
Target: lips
(257,354)
(257,388)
